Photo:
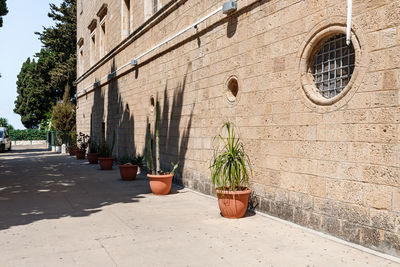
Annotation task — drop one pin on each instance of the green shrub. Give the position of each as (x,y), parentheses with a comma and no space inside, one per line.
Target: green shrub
(3,122)
(125,160)
(131,160)
(106,150)
(64,113)
(230,168)
(93,147)
(28,134)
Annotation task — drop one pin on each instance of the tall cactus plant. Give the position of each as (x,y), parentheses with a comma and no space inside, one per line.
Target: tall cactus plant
(149,149)
(155,167)
(149,144)
(157,133)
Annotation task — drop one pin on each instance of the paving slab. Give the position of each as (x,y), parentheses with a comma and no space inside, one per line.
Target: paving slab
(59,211)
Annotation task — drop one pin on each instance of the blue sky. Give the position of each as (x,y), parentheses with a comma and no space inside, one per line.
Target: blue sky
(18,42)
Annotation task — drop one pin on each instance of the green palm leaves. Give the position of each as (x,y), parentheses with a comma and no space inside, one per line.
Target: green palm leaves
(230,168)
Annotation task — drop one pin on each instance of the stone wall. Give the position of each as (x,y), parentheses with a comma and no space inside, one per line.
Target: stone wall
(27,143)
(334,168)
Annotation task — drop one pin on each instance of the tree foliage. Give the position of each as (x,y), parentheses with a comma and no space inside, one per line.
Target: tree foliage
(3,11)
(3,122)
(61,41)
(63,115)
(35,96)
(42,83)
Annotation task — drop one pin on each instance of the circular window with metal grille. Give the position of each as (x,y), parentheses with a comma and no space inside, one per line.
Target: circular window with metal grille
(333,65)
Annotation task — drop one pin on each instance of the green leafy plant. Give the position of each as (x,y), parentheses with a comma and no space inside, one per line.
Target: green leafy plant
(93,147)
(105,150)
(64,113)
(131,160)
(155,168)
(230,168)
(3,12)
(72,140)
(174,167)
(42,80)
(28,134)
(125,160)
(138,160)
(149,149)
(3,122)
(83,140)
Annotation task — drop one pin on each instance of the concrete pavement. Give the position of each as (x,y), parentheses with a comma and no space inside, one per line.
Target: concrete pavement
(58,211)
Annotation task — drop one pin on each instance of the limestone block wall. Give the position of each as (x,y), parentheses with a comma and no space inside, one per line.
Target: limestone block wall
(334,168)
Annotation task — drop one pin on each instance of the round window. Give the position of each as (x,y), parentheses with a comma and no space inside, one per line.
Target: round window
(232,89)
(152,103)
(332,65)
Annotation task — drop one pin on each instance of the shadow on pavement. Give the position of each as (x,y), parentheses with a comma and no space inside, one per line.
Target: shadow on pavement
(37,185)
(25,150)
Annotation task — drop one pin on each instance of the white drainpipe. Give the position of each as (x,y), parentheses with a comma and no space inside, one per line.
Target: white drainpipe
(349,13)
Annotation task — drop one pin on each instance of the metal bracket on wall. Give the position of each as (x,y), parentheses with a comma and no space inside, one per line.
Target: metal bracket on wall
(229,7)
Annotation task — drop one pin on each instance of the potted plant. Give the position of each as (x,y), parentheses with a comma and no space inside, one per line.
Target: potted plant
(128,166)
(160,181)
(105,155)
(92,155)
(72,147)
(230,171)
(82,145)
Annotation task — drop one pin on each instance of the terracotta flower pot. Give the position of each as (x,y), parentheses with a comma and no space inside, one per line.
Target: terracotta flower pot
(106,163)
(160,184)
(128,172)
(71,151)
(233,204)
(92,158)
(80,154)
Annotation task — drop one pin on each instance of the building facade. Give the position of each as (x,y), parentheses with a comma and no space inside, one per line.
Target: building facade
(319,118)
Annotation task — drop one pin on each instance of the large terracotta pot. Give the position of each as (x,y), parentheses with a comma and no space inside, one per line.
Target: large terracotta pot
(106,163)
(128,172)
(92,158)
(71,151)
(160,184)
(80,154)
(233,204)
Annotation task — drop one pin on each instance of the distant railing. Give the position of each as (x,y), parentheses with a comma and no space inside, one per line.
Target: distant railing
(58,138)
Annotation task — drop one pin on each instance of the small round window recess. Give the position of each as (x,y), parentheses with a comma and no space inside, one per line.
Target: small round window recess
(152,103)
(332,65)
(232,89)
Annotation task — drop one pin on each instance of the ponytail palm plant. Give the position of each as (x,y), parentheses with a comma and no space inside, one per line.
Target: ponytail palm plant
(230,168)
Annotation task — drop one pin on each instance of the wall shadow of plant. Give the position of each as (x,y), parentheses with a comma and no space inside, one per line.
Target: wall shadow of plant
(118,119)
(173,144)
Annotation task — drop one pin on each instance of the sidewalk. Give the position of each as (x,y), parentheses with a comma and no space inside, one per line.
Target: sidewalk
(58,211)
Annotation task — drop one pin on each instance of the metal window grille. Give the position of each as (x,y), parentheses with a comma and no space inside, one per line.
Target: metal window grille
(333,66)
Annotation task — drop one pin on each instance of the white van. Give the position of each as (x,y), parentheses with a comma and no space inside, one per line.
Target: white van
(5,141)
